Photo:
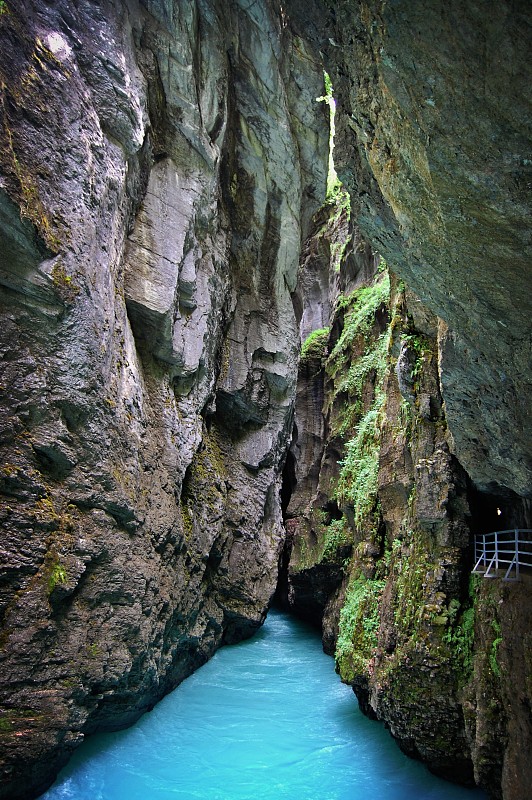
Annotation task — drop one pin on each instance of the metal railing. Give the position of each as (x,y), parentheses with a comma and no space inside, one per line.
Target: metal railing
(503,550)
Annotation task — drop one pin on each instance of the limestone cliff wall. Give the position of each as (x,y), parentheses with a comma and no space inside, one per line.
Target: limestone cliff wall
(432,137)
(379,543)
(432,140)
(380,525)
(159,165)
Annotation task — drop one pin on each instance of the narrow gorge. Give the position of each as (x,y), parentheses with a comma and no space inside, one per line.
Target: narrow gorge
(233,373)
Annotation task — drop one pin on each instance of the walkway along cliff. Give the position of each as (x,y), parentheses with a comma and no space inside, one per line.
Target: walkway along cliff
(167,241)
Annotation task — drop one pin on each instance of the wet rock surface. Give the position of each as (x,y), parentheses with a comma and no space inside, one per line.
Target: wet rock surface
(432,139)
(428,649)
(160,167)
(159,164)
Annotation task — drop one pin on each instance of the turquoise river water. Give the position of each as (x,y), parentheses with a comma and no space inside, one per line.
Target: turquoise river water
(266,719)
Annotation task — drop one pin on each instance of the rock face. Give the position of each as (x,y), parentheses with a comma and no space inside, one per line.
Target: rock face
(433,140)
(160,164)
(378,551)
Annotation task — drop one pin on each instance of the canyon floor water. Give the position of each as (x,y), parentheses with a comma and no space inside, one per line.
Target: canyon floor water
(265,719)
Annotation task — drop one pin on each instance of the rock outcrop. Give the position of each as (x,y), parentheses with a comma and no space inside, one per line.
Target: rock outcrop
(431,139)
(160,163)
(378,552)
(161,166)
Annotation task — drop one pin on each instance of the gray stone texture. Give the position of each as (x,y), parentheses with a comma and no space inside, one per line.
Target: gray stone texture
(160,164)
(433,138)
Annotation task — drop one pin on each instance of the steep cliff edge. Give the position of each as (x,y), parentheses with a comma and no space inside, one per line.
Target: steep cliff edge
(159,164)
(433,138)
(428,444)
(380,524)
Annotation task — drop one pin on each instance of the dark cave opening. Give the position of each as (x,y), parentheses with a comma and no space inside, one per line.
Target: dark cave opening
(502,511)
(332,511)
(288,484)
(498,510)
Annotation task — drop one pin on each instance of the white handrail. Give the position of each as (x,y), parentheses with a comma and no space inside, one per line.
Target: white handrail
(511,549)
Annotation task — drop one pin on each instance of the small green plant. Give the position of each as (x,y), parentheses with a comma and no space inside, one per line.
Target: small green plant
(460,638)
(337,535)
(405,418)
(422,350)
(315,345)
(357,482)
(391,552)
(58,576)
(3,7)
(359,622)
(414,571)
(494,664)
(338,249)
(63,283)
(359,309)
(372,362)
(412,500)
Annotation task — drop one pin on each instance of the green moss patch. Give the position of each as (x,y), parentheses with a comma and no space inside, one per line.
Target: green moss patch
(359,622)
(360,379)
(314,347)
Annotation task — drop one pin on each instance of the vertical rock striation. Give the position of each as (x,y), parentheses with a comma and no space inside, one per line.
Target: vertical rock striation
(432,141)
(160,163)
